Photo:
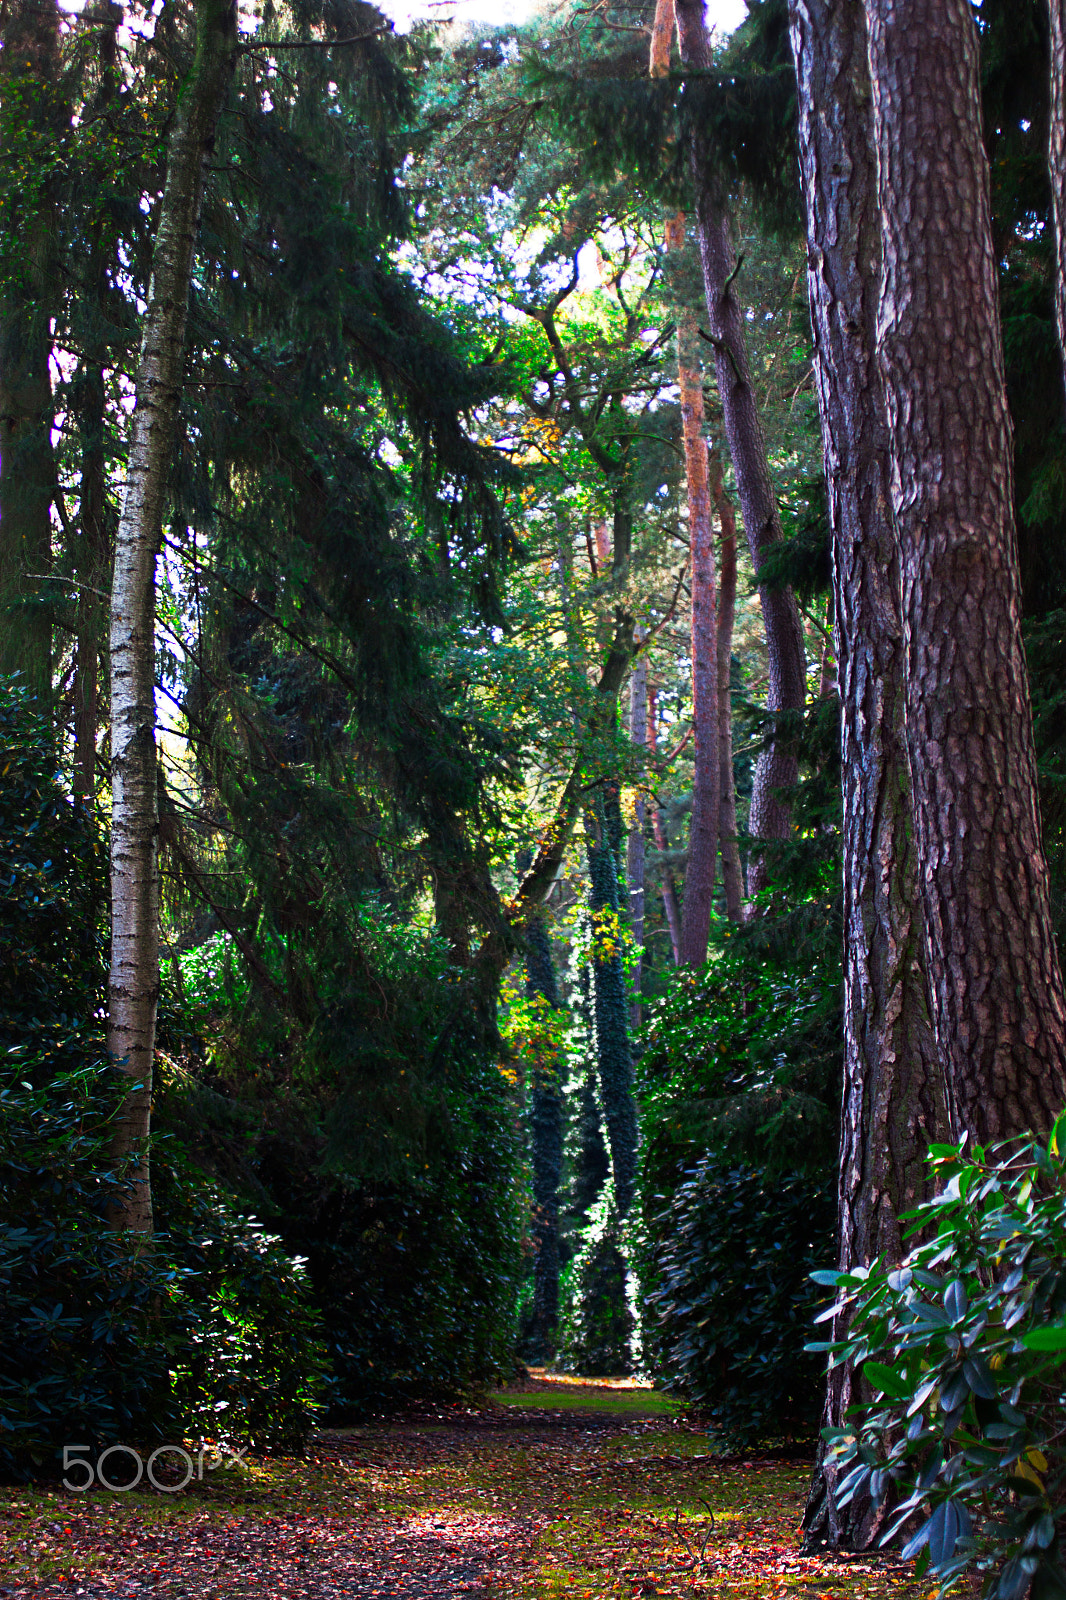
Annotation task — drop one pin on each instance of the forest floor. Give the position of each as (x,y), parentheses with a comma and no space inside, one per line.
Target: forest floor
(561,1488)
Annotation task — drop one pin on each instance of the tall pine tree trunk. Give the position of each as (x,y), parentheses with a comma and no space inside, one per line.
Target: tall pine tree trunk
(893,1094)
(706,775)
(777,768)
(134,979)
(638,732)
(728,843)
(994,978)
(33,118)
(1057,159)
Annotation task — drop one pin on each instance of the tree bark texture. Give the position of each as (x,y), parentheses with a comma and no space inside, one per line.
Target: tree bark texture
(671,909)
(706,776)
(546,1139)
(893,1093)
(994,977)
(638,733)
(134,978)
(662,38)
(728,843)
(777,768)
(34,116)
(1057,160)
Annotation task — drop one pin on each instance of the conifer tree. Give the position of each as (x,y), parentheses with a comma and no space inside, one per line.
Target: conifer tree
(1057,160)
(994,977)
(893,1095)
(546,1138)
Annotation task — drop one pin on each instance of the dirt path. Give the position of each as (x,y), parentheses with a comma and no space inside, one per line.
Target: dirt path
(583,1492)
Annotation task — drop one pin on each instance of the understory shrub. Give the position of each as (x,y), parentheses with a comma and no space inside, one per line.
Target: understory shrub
(732,1255)
(963,1347)
(85,1353)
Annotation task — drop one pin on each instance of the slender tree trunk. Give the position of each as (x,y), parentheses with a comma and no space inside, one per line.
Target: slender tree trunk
(777,768)
(728,843)
(706,775)
(134,981)
(1057,159)
(994,978)
(30,94)
(546,1128)
(638,732)
(671,909)
(893,1094)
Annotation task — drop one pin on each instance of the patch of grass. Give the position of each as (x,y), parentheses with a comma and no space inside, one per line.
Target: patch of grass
(612,1402)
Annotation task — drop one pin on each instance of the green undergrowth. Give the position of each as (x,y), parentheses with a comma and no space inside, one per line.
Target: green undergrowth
(612,1402)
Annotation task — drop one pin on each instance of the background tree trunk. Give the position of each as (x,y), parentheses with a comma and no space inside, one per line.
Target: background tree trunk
(706,774)
(546,1130)
(994,979)
(777,768)
(728,843)
(671,909)
(134,978)
(662,37)
(30,90)
(603,835)
(893,1094)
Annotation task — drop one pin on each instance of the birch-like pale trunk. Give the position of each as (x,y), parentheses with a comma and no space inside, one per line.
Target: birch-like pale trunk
(134,979)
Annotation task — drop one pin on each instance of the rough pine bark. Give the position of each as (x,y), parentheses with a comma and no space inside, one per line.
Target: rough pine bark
(777,768)
(893,1091)
(546,1129)
(662,37)
(34,114)
(728,843)
(638,733)
(994,978)
(134,977)
(706,778)
(1057,159)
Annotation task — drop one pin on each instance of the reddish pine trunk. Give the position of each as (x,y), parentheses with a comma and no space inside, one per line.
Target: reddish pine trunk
(706,779)
(662,37)
(994,978)
(777,769)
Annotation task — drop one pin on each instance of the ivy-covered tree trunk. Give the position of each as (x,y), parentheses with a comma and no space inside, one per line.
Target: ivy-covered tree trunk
(1057,159)
(893,1102)
(32,118)
(134,979)
(638,732)
(994,978)
(777,768)
(546,1131)
(728,843)
(603,836)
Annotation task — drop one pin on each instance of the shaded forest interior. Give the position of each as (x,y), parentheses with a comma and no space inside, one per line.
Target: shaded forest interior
(533,804)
